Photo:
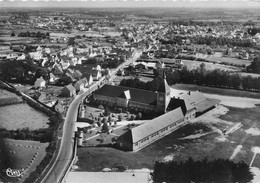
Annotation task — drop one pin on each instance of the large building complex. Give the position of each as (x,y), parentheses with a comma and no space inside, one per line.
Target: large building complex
(177,111)
(134,99)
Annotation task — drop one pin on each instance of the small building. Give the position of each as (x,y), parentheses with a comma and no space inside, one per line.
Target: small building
(39,83)
(96,74)
(68,91)
(79,85)
(53,78)
(77,74)
(89,78)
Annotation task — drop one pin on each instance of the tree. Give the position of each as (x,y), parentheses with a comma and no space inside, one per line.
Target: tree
(71,41)
(12,34)
(139,116)
(120,117)
(107,111)
(105,127)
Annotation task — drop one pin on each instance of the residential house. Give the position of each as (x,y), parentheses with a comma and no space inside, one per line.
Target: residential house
(79,85)
(96,74)
(68,91)
(53,78)
(39,83)
(77,74)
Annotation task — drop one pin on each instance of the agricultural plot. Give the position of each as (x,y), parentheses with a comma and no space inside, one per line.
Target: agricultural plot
(22,155)
(209,66)
(227,60)
(19,116)
(7,97)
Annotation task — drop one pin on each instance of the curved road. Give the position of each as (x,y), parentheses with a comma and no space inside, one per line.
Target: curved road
(60,166)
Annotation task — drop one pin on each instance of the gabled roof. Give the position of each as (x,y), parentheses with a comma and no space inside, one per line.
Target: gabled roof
(137,95)
(156,124)
(69,87)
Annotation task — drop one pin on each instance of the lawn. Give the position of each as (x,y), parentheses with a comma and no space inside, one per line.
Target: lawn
(22,155)
(203,139)
(234,61)
(220,91)
(19,116)
(208,66)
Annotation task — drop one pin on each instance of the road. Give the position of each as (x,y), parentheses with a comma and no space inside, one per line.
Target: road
(56,172)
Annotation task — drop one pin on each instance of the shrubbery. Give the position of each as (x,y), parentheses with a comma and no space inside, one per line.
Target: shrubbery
(217,171)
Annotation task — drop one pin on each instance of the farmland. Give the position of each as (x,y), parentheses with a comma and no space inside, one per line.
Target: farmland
(23,155)
(13,117)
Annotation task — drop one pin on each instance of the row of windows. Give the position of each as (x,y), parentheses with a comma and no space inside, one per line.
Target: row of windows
(144,139)
(154,134)
(162,130)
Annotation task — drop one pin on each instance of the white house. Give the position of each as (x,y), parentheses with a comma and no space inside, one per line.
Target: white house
(39,83)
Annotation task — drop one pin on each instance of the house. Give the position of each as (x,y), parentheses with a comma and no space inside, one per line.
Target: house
(40,96)
(77,74)
(89,78)
(53,78)
(68,91)
(39,83)
(96,74)
(79,85)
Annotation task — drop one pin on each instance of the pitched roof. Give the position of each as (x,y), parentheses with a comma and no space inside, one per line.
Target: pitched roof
(156,124)
(137,95)
(69,87)
(164,87)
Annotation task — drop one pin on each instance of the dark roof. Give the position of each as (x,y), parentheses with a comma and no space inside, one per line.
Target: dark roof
(137,95)
(164,87)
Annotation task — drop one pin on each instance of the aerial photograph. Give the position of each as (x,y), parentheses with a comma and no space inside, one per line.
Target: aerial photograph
(129,91)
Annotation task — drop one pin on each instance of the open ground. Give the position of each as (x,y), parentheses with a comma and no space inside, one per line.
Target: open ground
(19,116)
(24,155)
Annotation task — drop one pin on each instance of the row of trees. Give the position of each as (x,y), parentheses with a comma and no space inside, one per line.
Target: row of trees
(200,76)
(209,40)
(217,171)
(32,34)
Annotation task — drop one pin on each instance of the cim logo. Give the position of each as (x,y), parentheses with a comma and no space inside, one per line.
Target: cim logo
(14,172)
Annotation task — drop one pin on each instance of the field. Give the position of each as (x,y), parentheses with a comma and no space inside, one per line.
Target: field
(227,60)
(209,66)
(19,116)
(7,94)
(219,91)
(22,155)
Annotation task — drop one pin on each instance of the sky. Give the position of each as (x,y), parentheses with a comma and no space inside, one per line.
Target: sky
(133,3)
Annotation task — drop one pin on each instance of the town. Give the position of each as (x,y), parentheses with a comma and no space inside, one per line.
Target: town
(100,94)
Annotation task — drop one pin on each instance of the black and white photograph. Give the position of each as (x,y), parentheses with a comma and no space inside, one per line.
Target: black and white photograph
(129,91)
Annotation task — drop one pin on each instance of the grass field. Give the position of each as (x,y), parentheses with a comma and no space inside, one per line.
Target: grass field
(208,66)
(23,155)
(220,91)
(7,94)
(227,60)
(22,116)
(211,145)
